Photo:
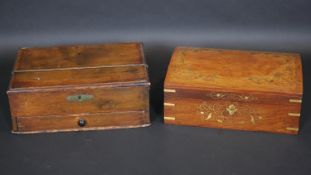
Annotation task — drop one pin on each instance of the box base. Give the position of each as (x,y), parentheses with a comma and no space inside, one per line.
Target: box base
(81,129)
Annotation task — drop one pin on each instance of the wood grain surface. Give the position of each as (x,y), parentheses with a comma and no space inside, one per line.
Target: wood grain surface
(52,88)
(244,90)
(55,102)
(79,77)
(79,56)
(235,70)
(96,121)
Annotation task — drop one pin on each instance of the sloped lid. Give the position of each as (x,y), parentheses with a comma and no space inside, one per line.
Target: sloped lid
(233,70)
(107,64)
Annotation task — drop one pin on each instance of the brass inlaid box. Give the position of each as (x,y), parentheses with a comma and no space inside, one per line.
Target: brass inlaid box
(244,90)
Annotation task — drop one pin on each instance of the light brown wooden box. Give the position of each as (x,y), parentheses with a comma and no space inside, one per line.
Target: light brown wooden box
(244,90)
(83,87)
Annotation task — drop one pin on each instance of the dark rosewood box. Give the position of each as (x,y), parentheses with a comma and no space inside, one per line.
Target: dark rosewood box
(244,90)
(83,87)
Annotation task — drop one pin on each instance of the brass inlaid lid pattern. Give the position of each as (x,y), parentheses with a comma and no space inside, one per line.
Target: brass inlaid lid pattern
(240,70)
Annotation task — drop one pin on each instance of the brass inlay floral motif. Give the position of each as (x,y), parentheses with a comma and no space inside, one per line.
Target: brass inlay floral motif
(231,109)
(223,112)
(230,96)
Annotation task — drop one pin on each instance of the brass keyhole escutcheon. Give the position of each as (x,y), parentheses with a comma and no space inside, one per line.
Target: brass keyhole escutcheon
(231,109)
(79,98)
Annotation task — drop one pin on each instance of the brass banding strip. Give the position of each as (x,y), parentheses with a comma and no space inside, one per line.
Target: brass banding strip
(169,118)
(294,114)
(291,129)
(170,90)
(295,100)
(77,68)
(169,104)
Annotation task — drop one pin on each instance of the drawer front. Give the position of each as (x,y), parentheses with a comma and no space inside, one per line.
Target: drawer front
(77,101)
(82,122)
(232,115)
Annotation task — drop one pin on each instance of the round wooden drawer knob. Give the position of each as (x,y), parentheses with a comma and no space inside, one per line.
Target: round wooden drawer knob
(81,122)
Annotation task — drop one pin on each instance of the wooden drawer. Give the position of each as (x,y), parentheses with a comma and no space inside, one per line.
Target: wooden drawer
(78,100)
(97,121)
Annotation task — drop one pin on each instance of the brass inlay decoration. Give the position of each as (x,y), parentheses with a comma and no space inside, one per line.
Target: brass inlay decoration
(295,100)
(253,120)
(225,112)
(169,118)
(292,129)
(220,121)
(231,109)
(218,95)
(230,96)
(281,75)
(209,116)
(169,104)
(294,114)
(170,90)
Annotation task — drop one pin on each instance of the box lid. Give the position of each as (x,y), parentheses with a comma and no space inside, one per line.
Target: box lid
(119,64)
(233,70)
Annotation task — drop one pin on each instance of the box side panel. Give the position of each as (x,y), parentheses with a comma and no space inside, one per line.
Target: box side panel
(299,73)
(98,121)
(79,56)
(13,117)
(78,100)
(253,112)
(146,97)
(77,77)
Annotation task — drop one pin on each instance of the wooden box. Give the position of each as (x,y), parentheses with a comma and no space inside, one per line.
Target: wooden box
(83,87)
(244,90)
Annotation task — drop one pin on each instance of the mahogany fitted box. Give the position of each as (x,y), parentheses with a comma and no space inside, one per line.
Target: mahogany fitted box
(83,87)
(244,90)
